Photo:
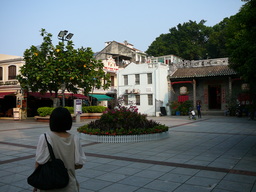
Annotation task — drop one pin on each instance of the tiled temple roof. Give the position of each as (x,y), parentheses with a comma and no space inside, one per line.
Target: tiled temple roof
(209,71)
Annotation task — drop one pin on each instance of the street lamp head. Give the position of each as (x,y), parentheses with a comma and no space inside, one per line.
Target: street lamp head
(69,36)
(62,33)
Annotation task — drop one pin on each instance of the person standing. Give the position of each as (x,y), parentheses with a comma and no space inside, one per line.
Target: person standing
(66,147)
(198,107)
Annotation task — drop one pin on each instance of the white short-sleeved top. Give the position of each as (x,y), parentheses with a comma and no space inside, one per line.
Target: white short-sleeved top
(69,150)
(60,147)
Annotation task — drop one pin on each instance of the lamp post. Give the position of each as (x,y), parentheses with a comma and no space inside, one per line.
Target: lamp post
(64,36)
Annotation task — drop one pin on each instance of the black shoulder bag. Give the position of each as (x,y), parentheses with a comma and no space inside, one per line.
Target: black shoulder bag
(51,175)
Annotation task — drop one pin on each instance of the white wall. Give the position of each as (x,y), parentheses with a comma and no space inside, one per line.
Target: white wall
(158,88)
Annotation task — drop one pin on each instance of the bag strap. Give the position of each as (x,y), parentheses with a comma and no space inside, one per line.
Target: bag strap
(49,148)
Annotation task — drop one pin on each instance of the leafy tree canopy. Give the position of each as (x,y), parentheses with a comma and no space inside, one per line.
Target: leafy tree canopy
(216,46)
(241,44)
(187,40)
(49,67)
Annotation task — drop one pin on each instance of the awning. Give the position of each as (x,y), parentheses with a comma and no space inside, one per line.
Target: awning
(101,97)
(49,95)
(3,94)
(41,95)
(78,96)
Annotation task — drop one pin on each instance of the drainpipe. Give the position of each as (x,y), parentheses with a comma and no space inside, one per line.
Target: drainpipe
(155,92)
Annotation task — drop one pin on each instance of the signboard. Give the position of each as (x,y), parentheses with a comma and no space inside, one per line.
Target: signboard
(78,106)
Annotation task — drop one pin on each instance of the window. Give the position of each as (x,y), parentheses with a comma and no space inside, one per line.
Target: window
(149,78)
(125,99)
(137,79)
(1,73)
(137,97)
(112,81)
(12,72)
(125,79)
(150,99)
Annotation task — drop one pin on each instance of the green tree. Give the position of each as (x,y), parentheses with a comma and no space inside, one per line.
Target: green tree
(216,47)
(49,67)
(241,45)
(187,40)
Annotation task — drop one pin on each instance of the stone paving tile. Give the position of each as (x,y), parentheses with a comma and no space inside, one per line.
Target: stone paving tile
(112,177)
(193,188)
(178,163)
(119,187)
(203,181)
(91,173)
(147,190)
(119,163)
(136,181)
(185,171)
(105,168)
(149,174)
(94,185)
(240,178)
(234,186)
(175,177)
(211,174)
(127,171)
(160,185)
(161,168)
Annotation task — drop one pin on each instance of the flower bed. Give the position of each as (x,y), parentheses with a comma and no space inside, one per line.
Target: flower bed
(123,125)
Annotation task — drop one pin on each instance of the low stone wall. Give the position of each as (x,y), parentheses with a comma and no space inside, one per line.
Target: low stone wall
(90,115)
(82,116)
(124,138)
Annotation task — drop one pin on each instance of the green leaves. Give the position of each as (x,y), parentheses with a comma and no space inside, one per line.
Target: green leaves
(48,66)
(187,40)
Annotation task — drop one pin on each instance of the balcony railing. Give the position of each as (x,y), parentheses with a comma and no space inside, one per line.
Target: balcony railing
(12,82)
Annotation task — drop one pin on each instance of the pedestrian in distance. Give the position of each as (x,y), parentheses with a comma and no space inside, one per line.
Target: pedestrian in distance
(192,114)
(198,107)
(66,146)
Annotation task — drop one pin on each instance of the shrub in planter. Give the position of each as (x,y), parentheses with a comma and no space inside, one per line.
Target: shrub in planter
(93,109)
(44,111)
(182,107)
(70,109)
(122,121)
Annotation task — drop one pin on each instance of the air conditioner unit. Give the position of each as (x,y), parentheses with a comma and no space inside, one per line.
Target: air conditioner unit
(127,91)
(135,91)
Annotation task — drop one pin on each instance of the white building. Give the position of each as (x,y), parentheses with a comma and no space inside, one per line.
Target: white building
(144,85)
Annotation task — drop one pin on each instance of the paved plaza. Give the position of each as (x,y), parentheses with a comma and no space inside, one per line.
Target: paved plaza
(216,154)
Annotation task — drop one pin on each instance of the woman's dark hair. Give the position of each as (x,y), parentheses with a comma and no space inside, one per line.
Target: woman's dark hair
(60,120)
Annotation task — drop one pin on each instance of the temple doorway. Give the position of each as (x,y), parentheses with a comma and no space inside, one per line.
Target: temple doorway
(214,96)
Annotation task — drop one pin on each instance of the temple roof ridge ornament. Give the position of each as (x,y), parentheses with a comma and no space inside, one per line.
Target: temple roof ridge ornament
(202,63)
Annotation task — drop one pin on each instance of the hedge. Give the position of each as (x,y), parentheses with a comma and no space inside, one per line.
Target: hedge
(44,111)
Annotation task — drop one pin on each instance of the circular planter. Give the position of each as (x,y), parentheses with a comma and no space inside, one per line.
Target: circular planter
(124,138)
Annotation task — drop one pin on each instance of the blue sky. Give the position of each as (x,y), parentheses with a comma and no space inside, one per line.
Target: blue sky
(94,22)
